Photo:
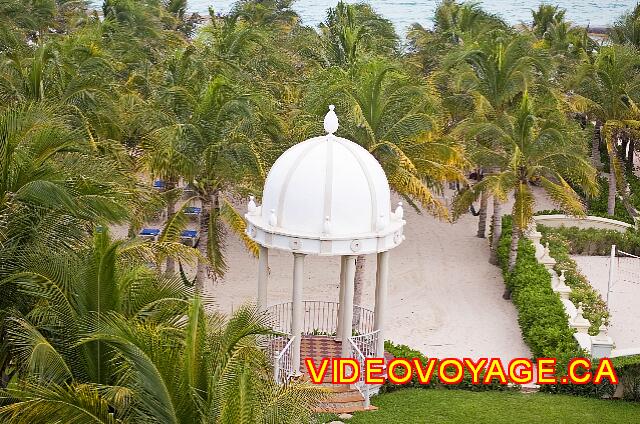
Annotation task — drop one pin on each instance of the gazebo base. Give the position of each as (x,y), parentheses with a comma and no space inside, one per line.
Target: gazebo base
(343,398)
(319,347)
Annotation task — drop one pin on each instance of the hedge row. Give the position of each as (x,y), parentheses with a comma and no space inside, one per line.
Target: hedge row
(404,351)
(595,242)
(541,314)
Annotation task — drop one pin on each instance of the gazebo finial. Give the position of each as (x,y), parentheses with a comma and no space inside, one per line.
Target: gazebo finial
(331,121)
(251,206)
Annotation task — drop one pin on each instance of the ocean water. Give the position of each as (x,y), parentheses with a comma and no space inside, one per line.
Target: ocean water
(405,12)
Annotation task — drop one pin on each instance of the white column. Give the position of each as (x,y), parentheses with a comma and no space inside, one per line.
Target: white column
(382,285)
(340,327)
(347,307)
(297,309)
(263,277)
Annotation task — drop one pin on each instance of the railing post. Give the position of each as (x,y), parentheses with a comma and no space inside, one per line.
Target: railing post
(367,400)
(276,369)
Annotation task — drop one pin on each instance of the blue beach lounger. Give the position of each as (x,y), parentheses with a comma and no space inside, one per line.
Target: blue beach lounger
(192,211)
(150,234)
(189,238)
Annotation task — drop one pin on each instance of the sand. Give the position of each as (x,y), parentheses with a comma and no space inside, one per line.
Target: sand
(624,327)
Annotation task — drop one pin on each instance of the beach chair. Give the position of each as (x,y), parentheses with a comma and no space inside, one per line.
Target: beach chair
(192,211)
(188,191)
(159,185)
(189,238)
(149,234)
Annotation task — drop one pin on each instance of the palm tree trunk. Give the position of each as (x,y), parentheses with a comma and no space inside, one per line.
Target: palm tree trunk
(171,210)
(595,147)
(358,285)
(202,273)
(496,225)
(513,255)
(611,201)
(482,219)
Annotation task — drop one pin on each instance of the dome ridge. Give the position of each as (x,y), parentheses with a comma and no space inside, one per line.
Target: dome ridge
(372,194)
(288,177)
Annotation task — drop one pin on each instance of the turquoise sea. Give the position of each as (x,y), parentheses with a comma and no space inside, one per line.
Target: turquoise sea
(406,12)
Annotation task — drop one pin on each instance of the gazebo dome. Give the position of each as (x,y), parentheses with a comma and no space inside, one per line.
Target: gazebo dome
(326,195)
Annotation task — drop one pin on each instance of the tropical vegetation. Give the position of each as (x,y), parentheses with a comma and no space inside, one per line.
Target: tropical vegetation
(98,324)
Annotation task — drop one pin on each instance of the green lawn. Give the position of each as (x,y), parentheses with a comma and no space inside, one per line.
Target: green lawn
(418,406)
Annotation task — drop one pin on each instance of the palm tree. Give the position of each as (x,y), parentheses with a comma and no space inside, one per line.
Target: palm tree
(49,171)
(201,368)
(352,30)
(626,30)
(537,147)
(460,21)
(492,74)
(219,138)
(545,18)
(72,290)
(606,88)
(397,119)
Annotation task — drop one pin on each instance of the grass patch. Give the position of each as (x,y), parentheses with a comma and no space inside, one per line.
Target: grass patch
(452,406)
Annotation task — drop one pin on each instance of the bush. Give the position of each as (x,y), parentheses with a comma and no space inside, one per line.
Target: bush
(628,370)
(404,351)
(595,242)
(595,309)
(541,314)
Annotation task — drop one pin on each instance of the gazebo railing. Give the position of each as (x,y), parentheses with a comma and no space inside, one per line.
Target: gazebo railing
(283,366)
(363,347)
(320,318)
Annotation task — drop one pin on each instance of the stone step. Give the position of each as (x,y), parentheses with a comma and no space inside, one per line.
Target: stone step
(346,410)
(529,388)
(345,397)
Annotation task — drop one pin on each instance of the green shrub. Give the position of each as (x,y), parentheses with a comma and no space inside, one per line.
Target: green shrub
(595,309)
(595,242)
(550,212)
(404,351)
(628,370)
(541,314)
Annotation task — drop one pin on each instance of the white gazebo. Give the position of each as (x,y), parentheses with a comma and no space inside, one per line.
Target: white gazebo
(326,196)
